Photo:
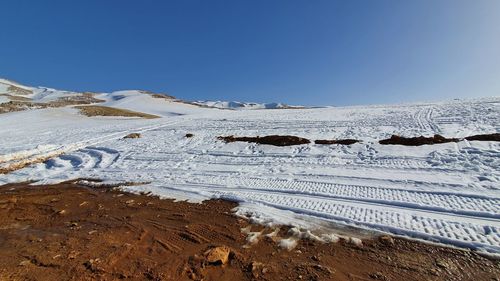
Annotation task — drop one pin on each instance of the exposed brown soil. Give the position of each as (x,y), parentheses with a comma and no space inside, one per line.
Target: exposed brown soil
(160,96)
(18,91)
(485,137)
(417,141)
(97,110)
(84,98)
(20,103)
(343,141)
(16,98)
(132,136)
(17,105)
(272,140)
(70,232)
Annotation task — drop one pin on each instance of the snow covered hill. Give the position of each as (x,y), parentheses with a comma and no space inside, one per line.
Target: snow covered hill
(122,99)
(447,193)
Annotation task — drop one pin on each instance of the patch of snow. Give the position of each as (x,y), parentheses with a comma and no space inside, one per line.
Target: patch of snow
(288,243)
(330,238)
(356,241)
(3,99)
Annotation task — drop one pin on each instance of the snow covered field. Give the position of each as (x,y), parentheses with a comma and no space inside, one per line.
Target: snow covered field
(448,193)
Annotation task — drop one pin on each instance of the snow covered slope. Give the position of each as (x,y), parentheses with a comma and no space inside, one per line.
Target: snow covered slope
(9,87)
(38,94)
(448,193)
(144,102)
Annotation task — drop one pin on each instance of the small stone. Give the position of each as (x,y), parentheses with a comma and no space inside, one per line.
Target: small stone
(378,276)
(434,272)
(386,239)
(442,263)
(257,269)
(218,255)
(325,269)
(24,263)
(92,265)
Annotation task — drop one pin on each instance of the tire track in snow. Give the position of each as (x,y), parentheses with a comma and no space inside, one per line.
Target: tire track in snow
(450,229)
(21,159)
(423,119)
(330,166)
(463,204)
(83,159)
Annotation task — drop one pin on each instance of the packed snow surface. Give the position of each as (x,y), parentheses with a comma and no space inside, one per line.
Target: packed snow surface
(447,193)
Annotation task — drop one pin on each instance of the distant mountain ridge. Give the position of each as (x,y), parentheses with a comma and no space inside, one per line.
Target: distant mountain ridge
(244,105)
(10,88)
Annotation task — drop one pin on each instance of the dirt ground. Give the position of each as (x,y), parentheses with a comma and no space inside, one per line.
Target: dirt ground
(97,110)
(339,141)
(417,141)
(485,137)
(20,103)
(71,232)
(272,140)
(437,139)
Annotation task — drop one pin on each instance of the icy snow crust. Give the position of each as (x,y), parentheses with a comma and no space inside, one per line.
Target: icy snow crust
(447,193)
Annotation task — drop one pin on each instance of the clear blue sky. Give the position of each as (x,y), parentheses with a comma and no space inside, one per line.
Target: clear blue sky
(308,52)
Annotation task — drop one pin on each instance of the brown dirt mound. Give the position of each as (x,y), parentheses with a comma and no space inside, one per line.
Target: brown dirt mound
(272,140)
(16,98)
(84,98)
(343,141)
(17,105)
(160,96)
(132,136)
(97,110)
(417,141)
(70,232)
(485,137)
